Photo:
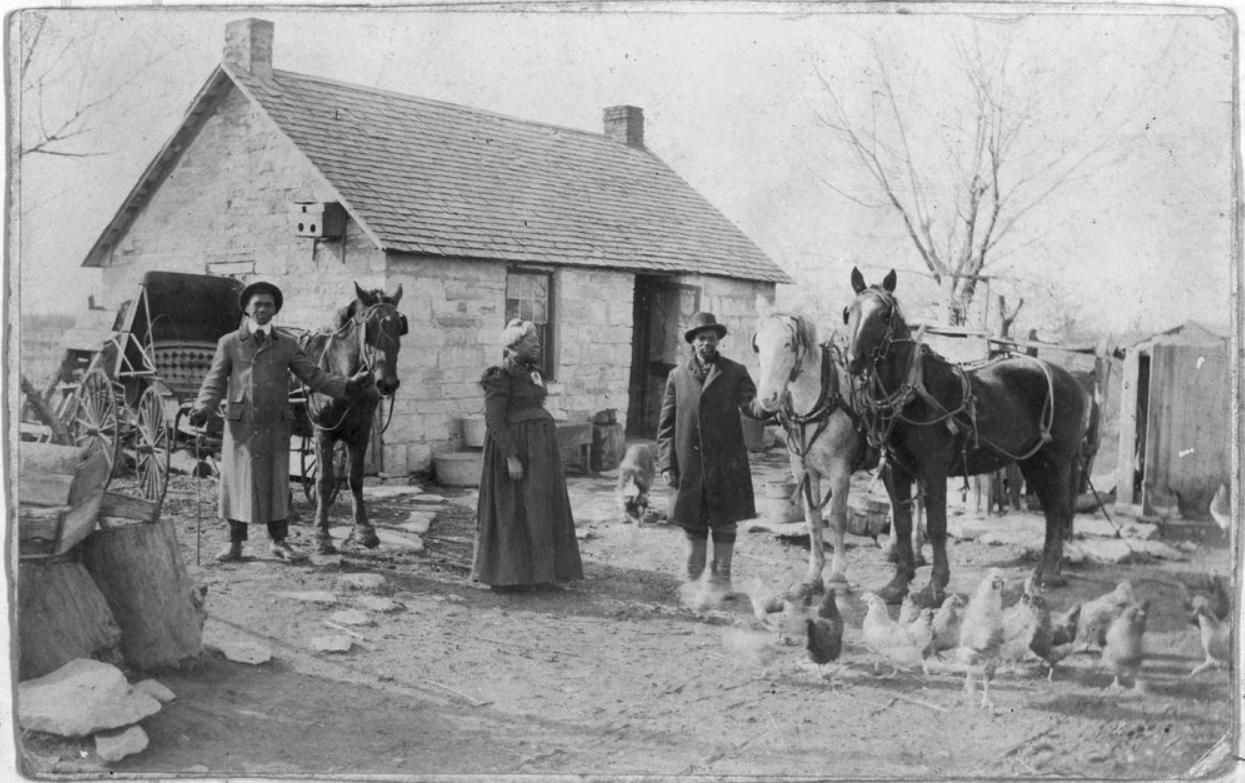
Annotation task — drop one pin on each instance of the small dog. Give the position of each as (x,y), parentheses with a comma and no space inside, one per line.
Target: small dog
(635,479)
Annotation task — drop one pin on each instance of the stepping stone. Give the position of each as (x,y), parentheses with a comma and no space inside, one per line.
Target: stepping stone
(116,745)
(1101,528)
(308,596)
(245,652)
(391,538)
(334,644)
(156,691)
(431,499)
(418,522)
(376,603)
(351,617)
(80,698)
(360,581)
(393,491)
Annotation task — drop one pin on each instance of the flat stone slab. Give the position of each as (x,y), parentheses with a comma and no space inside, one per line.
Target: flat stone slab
(1026,539)
(406,542)
(393,490)
(417,522)
(1115,550)
(80,698)
(376,603)
(426,498)
(1101,528)
(351,617)
(245,652)
(335,643)
(116,745)
(308,596)
(780,529)
(360,581)
(155,690)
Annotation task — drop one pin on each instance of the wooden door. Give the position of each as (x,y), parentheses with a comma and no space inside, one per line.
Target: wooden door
(661,308)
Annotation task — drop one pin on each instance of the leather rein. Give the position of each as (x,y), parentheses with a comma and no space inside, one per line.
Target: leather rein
(367,353)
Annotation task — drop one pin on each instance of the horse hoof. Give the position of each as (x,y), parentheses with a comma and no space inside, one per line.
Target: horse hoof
(929,598)
(325,547)
(815,587)
(919,560)
(840,585)
(892,556)
(891,594)
(367,540)
(1051,581)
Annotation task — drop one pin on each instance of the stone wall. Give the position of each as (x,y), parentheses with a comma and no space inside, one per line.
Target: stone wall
(225,209)
(593,357)
(733,302)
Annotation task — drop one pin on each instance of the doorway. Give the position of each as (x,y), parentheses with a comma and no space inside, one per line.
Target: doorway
(661,307)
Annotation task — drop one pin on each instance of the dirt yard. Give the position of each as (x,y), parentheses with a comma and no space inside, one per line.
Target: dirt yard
(611,676)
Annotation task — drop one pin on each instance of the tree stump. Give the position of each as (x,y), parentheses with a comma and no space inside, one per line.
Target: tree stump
(138,568)
(61,616)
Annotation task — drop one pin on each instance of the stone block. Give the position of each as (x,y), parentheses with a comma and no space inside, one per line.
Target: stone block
(80,698)
(335,643)
(116,745)
(245,652)
(156,690)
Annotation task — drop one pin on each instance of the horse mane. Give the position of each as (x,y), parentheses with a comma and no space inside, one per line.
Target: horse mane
(344,315)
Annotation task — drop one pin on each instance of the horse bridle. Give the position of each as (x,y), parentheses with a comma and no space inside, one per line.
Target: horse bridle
(367,352)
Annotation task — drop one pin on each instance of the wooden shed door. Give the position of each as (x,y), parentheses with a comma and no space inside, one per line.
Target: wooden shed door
(661,307)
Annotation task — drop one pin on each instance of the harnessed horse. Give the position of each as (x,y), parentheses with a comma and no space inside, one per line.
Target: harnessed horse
(365,335)
(804,384)
(932,419)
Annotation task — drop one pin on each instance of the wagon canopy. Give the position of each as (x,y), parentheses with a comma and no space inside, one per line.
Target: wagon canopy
(183,307)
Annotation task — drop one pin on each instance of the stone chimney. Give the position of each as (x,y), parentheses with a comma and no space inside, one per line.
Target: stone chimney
(625,124)
(248,46)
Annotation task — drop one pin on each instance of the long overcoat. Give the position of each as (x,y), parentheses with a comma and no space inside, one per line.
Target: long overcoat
(253,379)
(700,436)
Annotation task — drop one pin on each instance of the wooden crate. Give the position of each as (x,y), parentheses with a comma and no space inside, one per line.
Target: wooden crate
(52,475)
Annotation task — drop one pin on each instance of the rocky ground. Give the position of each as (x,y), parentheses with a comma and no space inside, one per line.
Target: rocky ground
(614,676)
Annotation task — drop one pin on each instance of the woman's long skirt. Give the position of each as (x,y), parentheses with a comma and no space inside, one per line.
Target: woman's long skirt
(525,534)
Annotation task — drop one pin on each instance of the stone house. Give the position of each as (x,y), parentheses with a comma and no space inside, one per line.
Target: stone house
(315,184)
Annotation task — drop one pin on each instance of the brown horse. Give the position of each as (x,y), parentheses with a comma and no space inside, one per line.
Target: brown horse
(365,334)
(933,419)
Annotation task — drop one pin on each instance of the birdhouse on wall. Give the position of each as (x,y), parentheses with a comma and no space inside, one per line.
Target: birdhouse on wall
(318,220)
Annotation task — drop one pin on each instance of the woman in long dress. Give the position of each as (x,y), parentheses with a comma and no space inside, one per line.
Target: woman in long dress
(525,534)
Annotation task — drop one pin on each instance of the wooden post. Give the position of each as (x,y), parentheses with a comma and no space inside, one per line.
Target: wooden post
(45,414)
(61,616)
(138,568)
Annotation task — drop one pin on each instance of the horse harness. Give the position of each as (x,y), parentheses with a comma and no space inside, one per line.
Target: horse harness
(884,409)
(366,351)
(829,399)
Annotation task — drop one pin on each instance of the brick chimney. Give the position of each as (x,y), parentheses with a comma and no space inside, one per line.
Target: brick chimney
(625,124)
(248,46)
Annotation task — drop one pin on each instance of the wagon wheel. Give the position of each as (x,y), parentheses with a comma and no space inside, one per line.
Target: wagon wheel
(93,417)
(310,469)
(152,446)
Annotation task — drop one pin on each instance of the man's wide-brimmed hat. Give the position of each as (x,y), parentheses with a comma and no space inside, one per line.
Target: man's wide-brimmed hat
(260,287)
(701,322)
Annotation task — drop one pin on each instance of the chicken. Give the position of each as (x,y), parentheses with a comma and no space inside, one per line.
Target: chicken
(947,624)
(1021,625)
(887,637)
(908,611)
(1063,626)
(1212,594)
(1124,647)
(825,632)
(1216,636)
(1096,615)
(755,647)
(981,633)
(1221,509)
(764,603)
(921,632)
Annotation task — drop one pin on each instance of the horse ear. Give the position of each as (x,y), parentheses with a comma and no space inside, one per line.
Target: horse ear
(858,280)
(396,296)
(888,282)
(361,295)
(764,308)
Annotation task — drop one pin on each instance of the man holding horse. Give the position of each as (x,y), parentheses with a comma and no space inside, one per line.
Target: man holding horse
(251,372)
(701,451)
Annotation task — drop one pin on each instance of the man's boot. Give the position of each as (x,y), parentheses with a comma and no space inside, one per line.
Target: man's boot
(231,553)
(720,567)
(697,551)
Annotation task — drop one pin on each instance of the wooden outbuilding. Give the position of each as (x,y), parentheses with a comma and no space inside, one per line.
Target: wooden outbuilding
(1175,422)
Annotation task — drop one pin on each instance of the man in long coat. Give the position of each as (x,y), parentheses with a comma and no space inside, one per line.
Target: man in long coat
(250,371)
(701,450)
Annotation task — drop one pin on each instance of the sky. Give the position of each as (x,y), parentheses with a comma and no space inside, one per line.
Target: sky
(1137,239)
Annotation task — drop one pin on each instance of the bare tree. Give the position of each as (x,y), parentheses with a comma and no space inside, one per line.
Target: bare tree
(964,189)
(67,87)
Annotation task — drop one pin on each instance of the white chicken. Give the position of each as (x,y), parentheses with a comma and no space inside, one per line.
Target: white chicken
(981,634)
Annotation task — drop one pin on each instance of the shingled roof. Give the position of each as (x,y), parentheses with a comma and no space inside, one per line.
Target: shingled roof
(423,176)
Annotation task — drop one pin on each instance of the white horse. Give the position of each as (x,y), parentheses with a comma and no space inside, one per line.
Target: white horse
(802,382)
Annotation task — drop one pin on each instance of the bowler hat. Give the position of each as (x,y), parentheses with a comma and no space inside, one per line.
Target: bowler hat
(260,287)
(701,322)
